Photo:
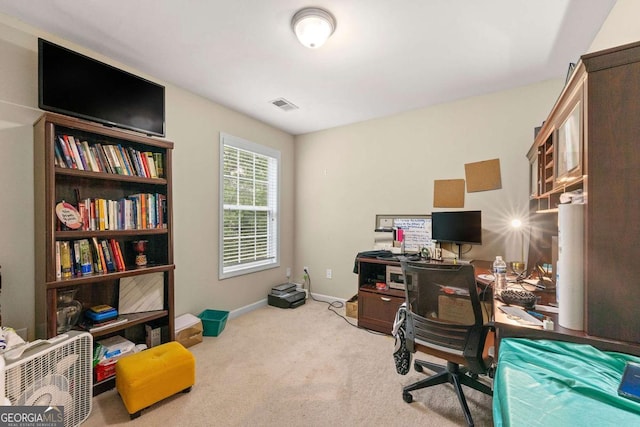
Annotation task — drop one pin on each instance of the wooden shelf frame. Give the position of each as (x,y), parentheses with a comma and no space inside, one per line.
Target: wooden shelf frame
(51,183)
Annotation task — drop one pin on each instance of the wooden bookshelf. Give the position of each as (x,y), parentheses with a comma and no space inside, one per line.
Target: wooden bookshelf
(55,181)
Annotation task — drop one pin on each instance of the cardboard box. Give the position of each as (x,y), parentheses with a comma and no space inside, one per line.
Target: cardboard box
(458,309)
(105,370)
(351,308)
(188,330)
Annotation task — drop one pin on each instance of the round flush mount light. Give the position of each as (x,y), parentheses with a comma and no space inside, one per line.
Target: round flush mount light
(313,26)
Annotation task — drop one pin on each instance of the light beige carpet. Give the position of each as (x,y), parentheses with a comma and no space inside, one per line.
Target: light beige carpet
(298,367)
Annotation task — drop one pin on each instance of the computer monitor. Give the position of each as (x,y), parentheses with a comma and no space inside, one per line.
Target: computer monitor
(460,227)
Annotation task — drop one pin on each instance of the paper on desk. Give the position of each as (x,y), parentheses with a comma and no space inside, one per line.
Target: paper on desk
(520,315)
(547,308)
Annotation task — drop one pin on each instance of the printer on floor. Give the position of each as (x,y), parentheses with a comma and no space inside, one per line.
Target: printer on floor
(286,296)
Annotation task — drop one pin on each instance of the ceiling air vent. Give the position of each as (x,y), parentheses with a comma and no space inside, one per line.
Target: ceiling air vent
(284,105)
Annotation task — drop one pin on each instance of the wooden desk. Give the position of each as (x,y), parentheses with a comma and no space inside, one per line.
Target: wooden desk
(377,307)
(506,327)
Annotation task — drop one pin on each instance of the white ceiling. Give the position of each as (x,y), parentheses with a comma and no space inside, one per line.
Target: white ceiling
(385,57)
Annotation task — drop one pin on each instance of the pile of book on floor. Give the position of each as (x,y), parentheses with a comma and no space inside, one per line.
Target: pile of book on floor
(101,317)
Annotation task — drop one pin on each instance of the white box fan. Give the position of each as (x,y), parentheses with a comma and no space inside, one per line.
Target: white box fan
(54,372)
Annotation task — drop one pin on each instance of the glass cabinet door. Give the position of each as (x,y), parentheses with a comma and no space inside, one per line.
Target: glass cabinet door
(534,176)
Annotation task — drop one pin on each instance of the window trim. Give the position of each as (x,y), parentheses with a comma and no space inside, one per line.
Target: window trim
(242,269)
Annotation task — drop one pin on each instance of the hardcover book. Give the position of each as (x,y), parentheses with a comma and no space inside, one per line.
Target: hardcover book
(630,383)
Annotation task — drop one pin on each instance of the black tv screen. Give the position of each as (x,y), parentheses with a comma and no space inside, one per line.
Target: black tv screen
(457,227)
(76,85)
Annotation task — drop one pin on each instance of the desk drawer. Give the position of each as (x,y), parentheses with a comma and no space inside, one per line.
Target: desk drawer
(377,311)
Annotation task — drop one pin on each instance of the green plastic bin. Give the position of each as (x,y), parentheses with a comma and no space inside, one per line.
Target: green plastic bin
(213,322)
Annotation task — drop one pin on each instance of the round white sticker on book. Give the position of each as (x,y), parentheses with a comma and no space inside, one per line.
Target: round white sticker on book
(68,215)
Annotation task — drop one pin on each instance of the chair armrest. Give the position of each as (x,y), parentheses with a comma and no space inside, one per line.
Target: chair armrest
(476,353)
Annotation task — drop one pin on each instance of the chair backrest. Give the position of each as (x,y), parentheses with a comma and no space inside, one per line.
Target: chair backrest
(444,311)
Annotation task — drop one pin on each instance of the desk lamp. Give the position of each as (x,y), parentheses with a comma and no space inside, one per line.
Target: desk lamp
(518,266)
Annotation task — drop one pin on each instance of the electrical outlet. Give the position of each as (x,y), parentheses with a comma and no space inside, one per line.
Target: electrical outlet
(329,273)
(288,272)
(305,269)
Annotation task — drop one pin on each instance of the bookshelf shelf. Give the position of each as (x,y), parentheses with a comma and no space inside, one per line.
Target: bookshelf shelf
(73,234)
(132,320)
(109,176)
(123,195)
(101,277)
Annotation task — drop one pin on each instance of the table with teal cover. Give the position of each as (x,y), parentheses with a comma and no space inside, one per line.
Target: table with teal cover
(556,383)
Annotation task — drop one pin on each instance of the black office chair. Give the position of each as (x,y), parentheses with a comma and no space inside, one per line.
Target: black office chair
(444,318)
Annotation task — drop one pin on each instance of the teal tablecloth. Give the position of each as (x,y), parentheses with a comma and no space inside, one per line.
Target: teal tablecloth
(554,383)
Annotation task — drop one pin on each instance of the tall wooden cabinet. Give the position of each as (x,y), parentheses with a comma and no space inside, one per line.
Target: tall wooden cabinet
(601,101)
(53,183)
(612,216)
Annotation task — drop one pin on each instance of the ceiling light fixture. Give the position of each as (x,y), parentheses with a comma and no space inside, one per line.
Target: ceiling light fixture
(313,26)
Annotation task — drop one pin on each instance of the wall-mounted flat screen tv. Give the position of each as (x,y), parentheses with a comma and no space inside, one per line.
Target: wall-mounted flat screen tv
(76,85)
(457,227)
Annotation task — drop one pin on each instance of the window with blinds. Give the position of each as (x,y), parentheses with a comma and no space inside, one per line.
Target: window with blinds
(249,188)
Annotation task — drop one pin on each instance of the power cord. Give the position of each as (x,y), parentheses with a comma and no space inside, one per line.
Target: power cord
(331,306)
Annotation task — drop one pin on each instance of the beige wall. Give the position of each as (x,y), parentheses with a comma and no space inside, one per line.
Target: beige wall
(621,26)
(193,124)
(345,176)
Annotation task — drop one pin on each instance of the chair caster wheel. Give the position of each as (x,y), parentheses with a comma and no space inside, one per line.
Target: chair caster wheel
(418,367)
(407,397)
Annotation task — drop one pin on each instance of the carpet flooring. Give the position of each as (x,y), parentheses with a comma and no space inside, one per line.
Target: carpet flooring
(298,367)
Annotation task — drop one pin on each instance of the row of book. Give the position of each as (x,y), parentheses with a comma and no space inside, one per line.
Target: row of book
(139,211)
(72,153)
(84,257)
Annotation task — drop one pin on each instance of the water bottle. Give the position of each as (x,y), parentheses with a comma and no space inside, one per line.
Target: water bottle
(500,274)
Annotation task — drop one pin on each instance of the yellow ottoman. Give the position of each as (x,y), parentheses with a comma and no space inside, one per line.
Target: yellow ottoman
(145,378)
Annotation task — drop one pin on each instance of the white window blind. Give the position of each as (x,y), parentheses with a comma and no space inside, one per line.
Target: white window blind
(249,194)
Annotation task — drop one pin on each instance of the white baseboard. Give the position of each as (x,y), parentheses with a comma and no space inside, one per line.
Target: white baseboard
(247,308)
(263,302)
(327,298)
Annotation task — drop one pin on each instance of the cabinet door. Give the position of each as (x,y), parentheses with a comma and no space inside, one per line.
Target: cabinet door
(569,143)
(613,224)
(568,153)
(377,311)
